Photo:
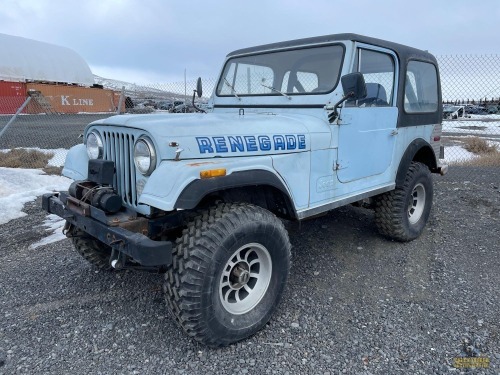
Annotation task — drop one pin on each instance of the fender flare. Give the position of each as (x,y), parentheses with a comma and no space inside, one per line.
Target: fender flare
(198,189)
(418,150)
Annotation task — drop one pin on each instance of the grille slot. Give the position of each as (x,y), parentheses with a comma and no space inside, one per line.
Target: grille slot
(119,147)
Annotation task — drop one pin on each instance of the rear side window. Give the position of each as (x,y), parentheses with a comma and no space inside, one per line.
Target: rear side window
(421,88)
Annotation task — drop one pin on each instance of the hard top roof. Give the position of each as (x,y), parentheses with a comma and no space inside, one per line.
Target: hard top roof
(404,52)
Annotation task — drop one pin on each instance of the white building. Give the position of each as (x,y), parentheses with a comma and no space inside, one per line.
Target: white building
(27,60)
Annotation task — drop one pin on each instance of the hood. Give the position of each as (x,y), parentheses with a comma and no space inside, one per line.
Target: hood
(225,135)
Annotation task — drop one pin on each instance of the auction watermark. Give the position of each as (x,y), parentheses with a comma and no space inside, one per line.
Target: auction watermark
(471,362)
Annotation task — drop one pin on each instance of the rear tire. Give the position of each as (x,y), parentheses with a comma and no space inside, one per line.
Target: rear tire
(228,273)
(402,213)
(92,250)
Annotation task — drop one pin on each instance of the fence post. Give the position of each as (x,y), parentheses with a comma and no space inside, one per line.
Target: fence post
(120,102)
(15,116)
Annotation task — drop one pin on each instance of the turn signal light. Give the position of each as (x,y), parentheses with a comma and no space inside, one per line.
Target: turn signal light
(213,173)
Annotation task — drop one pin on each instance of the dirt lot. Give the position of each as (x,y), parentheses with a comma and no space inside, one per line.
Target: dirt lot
(356,303)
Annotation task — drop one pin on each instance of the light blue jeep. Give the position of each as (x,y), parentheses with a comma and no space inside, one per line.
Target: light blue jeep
(293,129)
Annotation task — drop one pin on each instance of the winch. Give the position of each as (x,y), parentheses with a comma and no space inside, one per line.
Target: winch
(103,197)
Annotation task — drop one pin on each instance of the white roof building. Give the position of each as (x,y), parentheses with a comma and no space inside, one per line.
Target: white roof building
(27,60)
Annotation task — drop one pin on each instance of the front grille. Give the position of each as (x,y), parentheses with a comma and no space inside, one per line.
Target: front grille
(119,147)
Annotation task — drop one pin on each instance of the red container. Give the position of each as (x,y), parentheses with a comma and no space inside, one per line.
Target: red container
(12,96)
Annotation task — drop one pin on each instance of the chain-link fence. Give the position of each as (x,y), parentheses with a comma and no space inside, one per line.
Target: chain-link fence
(471,109)
(49,119)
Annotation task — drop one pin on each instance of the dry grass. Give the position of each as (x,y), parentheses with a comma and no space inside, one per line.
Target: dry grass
(484,160)
(21,158)
(489,156)
(53,170)
(479,146)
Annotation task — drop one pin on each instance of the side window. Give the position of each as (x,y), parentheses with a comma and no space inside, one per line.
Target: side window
(378,72)
(421,87)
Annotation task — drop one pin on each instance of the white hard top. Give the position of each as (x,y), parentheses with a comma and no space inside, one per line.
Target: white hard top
(24,60)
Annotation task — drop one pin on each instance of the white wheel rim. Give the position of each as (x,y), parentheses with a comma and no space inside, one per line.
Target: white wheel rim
(416,203)
(245,278)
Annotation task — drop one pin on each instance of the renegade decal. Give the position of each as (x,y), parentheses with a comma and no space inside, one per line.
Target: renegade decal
(250,143)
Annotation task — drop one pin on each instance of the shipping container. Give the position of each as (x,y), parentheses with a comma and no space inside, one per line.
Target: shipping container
(12,96)
(71,99)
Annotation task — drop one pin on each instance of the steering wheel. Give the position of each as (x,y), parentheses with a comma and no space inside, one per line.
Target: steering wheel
(373,102)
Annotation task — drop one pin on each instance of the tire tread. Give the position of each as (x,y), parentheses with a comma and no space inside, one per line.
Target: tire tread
(390,206)
(193,253)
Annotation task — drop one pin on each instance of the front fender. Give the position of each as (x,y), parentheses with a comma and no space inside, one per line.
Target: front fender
(198,189)
(76,164)
(167,188)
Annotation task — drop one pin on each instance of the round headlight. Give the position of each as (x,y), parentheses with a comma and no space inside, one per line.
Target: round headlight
(94,145)
(144,156)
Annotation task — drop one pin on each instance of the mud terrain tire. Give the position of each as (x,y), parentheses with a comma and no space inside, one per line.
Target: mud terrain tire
(92,250)
(229,270)
(401,214)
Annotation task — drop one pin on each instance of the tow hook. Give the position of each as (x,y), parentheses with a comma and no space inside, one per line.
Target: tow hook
(117,259)
(67,229)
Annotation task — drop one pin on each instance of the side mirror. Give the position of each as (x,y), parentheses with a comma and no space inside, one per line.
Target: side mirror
(199,88)
(198,91)
(354,86)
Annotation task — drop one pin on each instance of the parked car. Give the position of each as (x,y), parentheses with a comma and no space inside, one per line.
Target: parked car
(149,103)
(203,106)
(182,108)
(475,109)
(454,112)
(492,110)
(164,105)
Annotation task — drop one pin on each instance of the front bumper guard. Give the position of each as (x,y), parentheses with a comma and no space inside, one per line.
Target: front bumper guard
(111,229)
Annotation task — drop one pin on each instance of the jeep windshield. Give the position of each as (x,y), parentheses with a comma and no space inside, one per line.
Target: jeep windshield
(305,71)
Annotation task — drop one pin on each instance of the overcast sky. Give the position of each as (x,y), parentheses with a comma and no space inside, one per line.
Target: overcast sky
(153,41)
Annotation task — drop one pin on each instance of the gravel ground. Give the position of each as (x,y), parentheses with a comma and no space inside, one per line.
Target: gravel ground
(356,303)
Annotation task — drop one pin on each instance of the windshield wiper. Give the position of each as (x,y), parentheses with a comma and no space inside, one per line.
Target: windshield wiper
(232,88)
(278,91)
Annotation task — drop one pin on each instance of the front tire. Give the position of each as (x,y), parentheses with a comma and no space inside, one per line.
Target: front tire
(402,213)
(92,250)
(228,273)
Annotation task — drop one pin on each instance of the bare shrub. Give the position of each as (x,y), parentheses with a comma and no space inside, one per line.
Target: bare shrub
(478,146)
(22,158)
(488,155)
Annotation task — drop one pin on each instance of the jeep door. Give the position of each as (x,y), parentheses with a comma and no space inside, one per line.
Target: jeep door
(367,128)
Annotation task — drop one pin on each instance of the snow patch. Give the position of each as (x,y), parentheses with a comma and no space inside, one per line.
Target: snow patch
(55,226)
(19,186)
(457,154)
(477,124)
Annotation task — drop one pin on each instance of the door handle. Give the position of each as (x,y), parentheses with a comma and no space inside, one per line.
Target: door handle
(394,132)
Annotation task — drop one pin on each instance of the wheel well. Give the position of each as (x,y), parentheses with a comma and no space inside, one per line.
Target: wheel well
(265,196)
(420,151)
(426,156)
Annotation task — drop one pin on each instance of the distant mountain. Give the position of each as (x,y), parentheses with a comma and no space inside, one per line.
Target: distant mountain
(117,85)
(141,91)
